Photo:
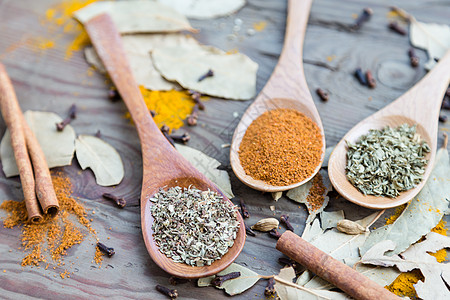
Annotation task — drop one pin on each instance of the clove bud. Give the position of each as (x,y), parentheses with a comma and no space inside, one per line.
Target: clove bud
(220,279)
(370,80)
(210,73)
(362,18)
(249,231)
(184,138)
(192,118)
(322,94)
(414,59)
(360,76)
(71,115)
(166,291)
(108,251)
(244,210)
(119,201)
(394,26)
(275,234)
(285,219)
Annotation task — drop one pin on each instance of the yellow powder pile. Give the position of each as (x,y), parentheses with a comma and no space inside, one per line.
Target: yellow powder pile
(61,16)
(403,285)
(50,240)
(171,107)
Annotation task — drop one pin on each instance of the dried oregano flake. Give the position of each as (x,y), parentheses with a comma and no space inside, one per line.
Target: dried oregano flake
(193,226)
(388,161)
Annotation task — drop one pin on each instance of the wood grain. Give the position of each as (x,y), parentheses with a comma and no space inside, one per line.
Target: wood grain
(418,106)
(45,80)
(286,88)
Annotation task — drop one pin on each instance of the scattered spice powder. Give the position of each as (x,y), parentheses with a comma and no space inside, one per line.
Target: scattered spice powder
(53,236)
(171,107)
(316,193)
(281,147)
(403,285)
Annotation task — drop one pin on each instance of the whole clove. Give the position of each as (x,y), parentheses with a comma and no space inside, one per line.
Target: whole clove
(371,82)
(176,280)
(360,76)
(113,95)
(220,279)
(98,134)
(394,26)
(210,73)
(414,59)
(322,94)
(192,118)
(443,118)
(249,231)
(362,18)
(71,115)
(184,138)
(285,219)
(244,210)
(152,112)
(196,96)
(108,251)
(270,287)
(275,234)
(446,103)
(286,261)
(165,131)
(166,291)
(119,201)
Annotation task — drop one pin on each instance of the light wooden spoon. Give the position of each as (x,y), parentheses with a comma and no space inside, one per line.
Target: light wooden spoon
(163,166)
(420,105)
(286,88)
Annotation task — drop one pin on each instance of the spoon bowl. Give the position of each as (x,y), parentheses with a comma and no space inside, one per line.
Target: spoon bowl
(418,106)
(163,166)
(286,88)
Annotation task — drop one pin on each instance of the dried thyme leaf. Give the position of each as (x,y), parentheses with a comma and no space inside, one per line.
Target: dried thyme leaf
(388,161)
(193,226)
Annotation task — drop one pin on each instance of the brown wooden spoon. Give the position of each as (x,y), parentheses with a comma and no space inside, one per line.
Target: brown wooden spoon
(163,166)
(286,88)
(420,105)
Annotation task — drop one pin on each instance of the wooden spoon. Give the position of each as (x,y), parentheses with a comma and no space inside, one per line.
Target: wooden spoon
(420,105)
(163,166)
(286,88)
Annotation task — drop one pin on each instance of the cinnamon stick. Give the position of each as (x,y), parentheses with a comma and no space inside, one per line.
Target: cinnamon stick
(43,180)
(10,111)
(350,281)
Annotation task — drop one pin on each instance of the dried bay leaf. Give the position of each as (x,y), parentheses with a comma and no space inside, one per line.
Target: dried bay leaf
(137,16)
(137,48)
(300,195)
(330,219)
(234,74)
(101,158)
(235,286)
(208,166)
(435,285)
(58,146)
(434,38)
(423,212)
(204,9)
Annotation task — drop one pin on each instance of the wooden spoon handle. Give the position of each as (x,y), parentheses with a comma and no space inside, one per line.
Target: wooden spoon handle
(350,281)
(288,79)
(107,42)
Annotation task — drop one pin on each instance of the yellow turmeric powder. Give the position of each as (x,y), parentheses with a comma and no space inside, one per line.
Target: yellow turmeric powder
(403,285)
(54,236)
(171,107)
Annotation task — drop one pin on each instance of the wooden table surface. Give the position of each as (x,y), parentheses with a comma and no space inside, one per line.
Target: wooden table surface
(45,79)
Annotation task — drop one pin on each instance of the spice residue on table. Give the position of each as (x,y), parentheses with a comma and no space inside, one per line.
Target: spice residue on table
(281,147)
(48,241)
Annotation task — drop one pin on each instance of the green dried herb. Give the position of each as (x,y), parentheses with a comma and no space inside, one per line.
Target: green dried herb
(193,226)
(388,161)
